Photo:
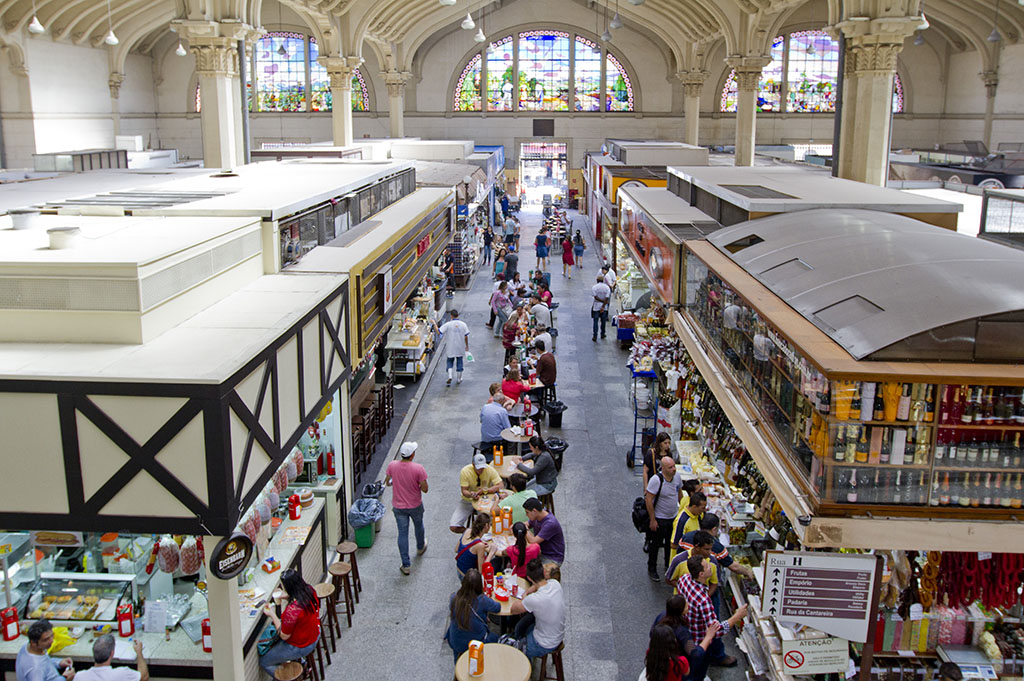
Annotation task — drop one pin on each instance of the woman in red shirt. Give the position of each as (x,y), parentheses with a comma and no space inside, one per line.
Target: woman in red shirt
(298,626)
(513,386)
(663,662)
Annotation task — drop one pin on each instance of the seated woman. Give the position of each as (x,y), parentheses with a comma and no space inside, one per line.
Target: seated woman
(298,626)
(545,295)
(471,551)
(663,661)
(508,340)
(520,553)
(514,386)
(467,609)
(543,474)
(674,618)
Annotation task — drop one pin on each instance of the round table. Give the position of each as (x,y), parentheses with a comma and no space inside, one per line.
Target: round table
(508,436)
(501,663)
(510,466)
(486,503)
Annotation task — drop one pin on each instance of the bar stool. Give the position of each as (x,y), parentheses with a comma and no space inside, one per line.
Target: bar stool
(556,663)
(321,650)
(341,577)
(329,616)
(549,501)
(289,671)
(348,548)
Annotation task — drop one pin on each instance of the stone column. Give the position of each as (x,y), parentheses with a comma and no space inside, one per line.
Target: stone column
(872,48)
(748,80)
(217,68)
(114,83)
(396,80)
(225,626)
(341,70)
(991,80)
(693,84)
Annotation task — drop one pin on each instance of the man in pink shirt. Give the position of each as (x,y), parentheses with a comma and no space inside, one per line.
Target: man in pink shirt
(409,482)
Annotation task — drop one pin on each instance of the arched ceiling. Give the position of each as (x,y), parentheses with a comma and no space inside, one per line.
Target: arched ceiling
(397,28)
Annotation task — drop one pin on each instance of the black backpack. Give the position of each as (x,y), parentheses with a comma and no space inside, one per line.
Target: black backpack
(641,518)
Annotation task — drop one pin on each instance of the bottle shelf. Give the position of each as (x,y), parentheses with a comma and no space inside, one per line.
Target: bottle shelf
(972,426)
(976,469)
(898,424)
(887,466)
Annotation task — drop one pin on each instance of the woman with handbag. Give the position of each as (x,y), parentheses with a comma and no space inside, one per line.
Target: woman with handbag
(299,624)
(467,610)
(508,335)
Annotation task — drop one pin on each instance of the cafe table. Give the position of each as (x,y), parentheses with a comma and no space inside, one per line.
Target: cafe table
(501,663)
(510,466)
(508,435)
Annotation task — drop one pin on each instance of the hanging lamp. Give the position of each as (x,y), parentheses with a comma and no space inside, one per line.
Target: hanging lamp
(919,39)
(616,22)
(181,52)
(110,38)
(468,22)
(35,26)
(994,36)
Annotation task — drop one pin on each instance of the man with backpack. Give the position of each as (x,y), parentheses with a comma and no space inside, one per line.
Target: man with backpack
(662,496)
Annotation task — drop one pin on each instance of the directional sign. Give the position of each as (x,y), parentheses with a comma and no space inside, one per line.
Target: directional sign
(816,656)
(832,592)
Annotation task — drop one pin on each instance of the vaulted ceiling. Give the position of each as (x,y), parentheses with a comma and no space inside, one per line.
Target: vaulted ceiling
(397,28)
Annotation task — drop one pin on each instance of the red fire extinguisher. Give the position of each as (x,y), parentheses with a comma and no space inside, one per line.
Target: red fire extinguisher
(207,636)
(9,619)
(125,620)
(294,507)
(331,466)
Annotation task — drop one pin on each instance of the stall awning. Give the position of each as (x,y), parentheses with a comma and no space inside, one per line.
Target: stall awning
(885,286)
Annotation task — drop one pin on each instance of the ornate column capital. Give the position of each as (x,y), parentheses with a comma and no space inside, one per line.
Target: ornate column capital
(215,44)
(873,45)
(114,83)
(396,81)
(748,70)
(693,81)
(991,81)
(340,70)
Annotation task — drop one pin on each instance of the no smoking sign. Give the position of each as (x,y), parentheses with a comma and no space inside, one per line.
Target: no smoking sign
(794,659)
(816,656)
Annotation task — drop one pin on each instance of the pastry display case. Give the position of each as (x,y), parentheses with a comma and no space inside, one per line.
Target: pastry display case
(71,598)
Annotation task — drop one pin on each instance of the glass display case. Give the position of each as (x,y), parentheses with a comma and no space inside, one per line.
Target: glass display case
(71,598)
(19,574)
(893,442)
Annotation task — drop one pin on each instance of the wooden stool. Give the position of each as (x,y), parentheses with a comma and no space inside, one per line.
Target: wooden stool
(311,665)
(289,671)
(329,616)
(321,650)
(549,501)
(348,548)
(556,662)
(341,578)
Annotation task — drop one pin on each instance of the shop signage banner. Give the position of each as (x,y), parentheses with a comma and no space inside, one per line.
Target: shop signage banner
(42,538)
(230,556)
(387,291)
(816,656)
(654,256)
(832,592)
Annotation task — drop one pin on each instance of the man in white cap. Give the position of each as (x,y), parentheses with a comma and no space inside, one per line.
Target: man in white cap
(475,479)
(409,480)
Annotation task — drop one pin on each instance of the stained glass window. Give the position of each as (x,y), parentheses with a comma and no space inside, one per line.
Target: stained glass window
(620,90)
(813,70)
(769,93)
(319,82)
(281,72)
(500,83)
(588,75)
(467,89)
(897,94)
(552,67)
(544,71)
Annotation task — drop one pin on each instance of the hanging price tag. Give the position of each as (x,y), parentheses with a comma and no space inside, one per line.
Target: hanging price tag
(984,555)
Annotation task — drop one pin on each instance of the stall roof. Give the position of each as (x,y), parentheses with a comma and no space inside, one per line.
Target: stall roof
(681,219)
(639,172)
(355,246)
(207,348)
(885,286)
(441,174)
(782,189)
(276,189)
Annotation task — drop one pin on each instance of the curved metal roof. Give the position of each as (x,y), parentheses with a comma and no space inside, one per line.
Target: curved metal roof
(885,286)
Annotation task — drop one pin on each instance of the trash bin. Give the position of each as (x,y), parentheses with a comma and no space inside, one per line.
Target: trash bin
(363,517)
(365,536)
(557,447)
(554,408)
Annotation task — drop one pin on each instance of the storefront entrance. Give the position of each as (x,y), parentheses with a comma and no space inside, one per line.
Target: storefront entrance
(543,169)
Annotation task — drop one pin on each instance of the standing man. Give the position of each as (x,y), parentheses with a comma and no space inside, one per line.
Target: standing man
(488,239)
(504,205)
(455,336)
(511,265)
(688,518)
(547,368)
(509,231)
(662,496)
(409,480)
(103,657)
(609,276)
(599,310)
(34,664)
(701,613)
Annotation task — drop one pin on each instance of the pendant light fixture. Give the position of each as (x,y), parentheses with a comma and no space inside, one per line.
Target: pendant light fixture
(480,36)
(181,52)
(111,38)
(616,20)
(447,3)
(607,35)
(994,36)
(35,26)
(281,49)
(468,22)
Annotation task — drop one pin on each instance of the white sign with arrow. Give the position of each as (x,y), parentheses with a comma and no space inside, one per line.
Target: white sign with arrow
(832,592)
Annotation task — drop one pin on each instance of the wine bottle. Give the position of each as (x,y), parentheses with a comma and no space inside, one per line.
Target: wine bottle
(1018,410)
(936,492)
(879,413)
(855,403)
(941,447)
(1017,497)
(851,444)
(944,490)
(886,451)
(984,449)
(966,414)
(903,408)
(948,398)
(839,452)
(862,447)
(1002,408)
(976,490)
(922,447)
(919,493)
(1017,453)
(954,490)
(929,403)
(896,492)
(972,451)
(851,489)
(986,495)
(987,409)
(965,490)
(1001,493)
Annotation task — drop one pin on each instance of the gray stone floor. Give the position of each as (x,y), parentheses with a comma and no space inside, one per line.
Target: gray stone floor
(400,620)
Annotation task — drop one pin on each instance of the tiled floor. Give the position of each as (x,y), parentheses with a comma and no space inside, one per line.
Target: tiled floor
(400,620)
